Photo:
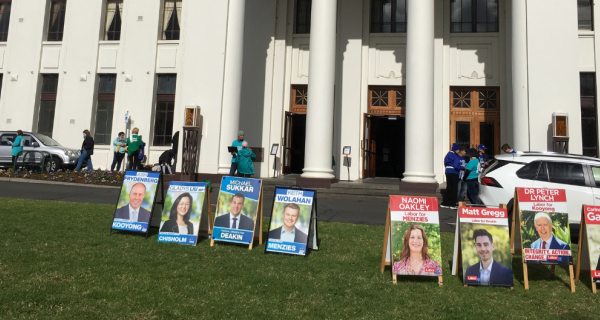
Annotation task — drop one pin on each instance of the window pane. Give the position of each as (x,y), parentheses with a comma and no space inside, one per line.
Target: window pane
(462,99)
(379,98)
(584,14)
(529,171)
(49,83)
(488,99)
(302,21)
(542,173)
(567,173)
(4,21)
(108,83)
(172,19)
(474,16)
(587,85)
(588,133)
(46,117)
(596,172)
(57,21)
(114,10)
(167,83)
(463,134)
(487,137)
(400,21)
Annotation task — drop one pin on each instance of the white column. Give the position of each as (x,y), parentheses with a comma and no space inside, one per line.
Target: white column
(419,93)
(520,88)
(232,84)
(321,73)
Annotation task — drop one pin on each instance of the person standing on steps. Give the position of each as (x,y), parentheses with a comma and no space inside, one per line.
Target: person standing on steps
(236,143)
(453,167)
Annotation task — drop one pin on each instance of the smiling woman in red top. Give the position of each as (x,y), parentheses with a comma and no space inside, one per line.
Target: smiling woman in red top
(415,259)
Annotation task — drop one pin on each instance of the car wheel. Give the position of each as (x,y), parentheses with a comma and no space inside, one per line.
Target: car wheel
(54,164)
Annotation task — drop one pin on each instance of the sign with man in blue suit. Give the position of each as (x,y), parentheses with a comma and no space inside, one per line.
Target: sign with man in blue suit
(485,246)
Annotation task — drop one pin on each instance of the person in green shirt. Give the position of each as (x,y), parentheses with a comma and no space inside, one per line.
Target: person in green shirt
(472,174)
(236,143)
(133,149)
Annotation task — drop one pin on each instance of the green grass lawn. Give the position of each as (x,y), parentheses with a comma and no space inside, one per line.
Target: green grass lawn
(57,260)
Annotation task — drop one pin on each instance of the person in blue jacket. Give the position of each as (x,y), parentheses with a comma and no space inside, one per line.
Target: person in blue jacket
(453,166)
(17,146)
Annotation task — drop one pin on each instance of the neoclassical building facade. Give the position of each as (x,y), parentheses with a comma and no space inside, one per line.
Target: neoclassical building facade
(397,81)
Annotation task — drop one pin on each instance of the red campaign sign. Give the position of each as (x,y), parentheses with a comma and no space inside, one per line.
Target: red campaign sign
(542,195)
(466,212)
(592,214)
(472,278)
(595,273)
(406,203)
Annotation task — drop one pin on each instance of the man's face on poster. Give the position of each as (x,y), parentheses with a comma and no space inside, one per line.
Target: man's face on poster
(543,228)
(290,217)
(485,248)
(136,195)
(236,205)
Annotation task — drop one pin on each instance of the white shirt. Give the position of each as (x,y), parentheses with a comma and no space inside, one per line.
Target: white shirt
(237,221)
(288,236)
(484,274)
(133,213)
(183,229)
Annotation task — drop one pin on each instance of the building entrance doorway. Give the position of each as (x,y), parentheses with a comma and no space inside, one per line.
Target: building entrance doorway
(384,146)
(475,118)
(293,142)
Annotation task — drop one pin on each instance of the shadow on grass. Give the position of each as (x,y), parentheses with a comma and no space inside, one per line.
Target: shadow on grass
(539,272)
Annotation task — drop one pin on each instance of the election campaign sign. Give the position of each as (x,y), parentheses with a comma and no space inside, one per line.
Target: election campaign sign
(588,257)
(413,234)
(290,224)
(182,212)
(484,243)
(136,201)
(541,221)
(238,207)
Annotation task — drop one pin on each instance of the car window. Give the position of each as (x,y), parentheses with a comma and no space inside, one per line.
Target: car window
(47,141)
(529,171)
(596,172)
(542,173)
(7,139)
(27,140)
(566,173)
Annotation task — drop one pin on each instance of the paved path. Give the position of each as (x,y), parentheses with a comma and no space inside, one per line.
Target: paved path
(332,210)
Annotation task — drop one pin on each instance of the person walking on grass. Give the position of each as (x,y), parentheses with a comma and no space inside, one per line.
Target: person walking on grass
(17,146)
(87,150)
(133,149)
(244,159)
(119,146)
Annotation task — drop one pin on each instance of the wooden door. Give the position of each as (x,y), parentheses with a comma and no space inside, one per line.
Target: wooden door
(287,144)
(475,118)
(369,148)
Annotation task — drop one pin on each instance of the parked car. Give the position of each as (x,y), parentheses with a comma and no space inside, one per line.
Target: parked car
(62,157)
(578,175)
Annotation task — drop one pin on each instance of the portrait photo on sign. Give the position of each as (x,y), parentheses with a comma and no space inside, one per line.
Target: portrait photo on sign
(182,212)
(416,248)
(593,236)
(136,200)
(238,199)
(546,237)
(486,257)
(290,221)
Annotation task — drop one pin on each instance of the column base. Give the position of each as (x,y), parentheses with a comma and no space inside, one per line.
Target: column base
(315,182)
(418,187)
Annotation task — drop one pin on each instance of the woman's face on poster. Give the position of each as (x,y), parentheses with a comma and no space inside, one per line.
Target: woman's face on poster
(183,206)
(415,241)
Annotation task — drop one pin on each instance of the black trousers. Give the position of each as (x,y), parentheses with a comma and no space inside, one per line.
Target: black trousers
(233,169)
(451,190)
(117,160)
(134,162)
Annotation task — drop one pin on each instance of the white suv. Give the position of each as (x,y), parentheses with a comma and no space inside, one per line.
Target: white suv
(578,175)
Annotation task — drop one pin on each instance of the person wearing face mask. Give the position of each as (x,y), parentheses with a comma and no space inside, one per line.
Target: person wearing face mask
(87,150)
(415,258)
(179,218)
